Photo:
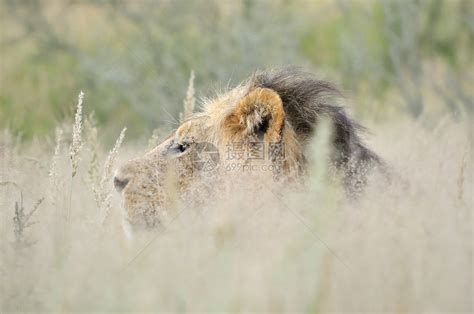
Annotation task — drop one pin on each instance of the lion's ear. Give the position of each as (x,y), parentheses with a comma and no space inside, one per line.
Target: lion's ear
(260,113)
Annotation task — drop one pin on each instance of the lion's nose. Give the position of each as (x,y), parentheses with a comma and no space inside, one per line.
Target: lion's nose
(120,184)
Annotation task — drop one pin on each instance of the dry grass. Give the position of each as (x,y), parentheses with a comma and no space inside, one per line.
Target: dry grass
(189,101)
(103,192)
(77,142)
(405,247)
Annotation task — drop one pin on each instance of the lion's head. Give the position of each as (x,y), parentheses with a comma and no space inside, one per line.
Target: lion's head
(259,129)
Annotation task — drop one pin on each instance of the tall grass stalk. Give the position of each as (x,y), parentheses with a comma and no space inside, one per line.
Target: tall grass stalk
(75,147)
(90,124)
(54,178)
(103,193)
(461,177)
(22,221)
(77,128)
(190,100)
(320,150)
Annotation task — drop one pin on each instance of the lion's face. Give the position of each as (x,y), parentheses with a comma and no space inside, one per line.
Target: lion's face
(242,133)
(149,183)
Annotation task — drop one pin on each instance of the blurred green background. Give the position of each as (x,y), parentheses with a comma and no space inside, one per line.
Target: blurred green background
(133,58)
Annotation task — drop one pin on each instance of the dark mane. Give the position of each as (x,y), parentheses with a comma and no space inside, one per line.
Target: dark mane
(306,99)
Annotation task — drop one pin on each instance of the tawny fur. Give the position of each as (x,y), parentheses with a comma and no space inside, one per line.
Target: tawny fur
(281,107)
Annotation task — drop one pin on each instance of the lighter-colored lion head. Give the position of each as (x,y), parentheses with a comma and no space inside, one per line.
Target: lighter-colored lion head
(259,129)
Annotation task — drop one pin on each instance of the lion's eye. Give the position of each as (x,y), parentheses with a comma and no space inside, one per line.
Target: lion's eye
(179,147)
(182,147)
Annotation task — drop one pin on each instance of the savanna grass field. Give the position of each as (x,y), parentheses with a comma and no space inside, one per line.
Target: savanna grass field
(87,85)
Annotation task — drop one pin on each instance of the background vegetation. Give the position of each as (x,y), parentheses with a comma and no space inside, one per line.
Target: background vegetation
(406,246)
(134,58)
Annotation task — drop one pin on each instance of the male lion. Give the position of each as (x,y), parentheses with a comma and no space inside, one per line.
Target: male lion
(261,128)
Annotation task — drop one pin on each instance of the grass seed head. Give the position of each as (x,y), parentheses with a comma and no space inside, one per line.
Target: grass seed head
(76,144)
